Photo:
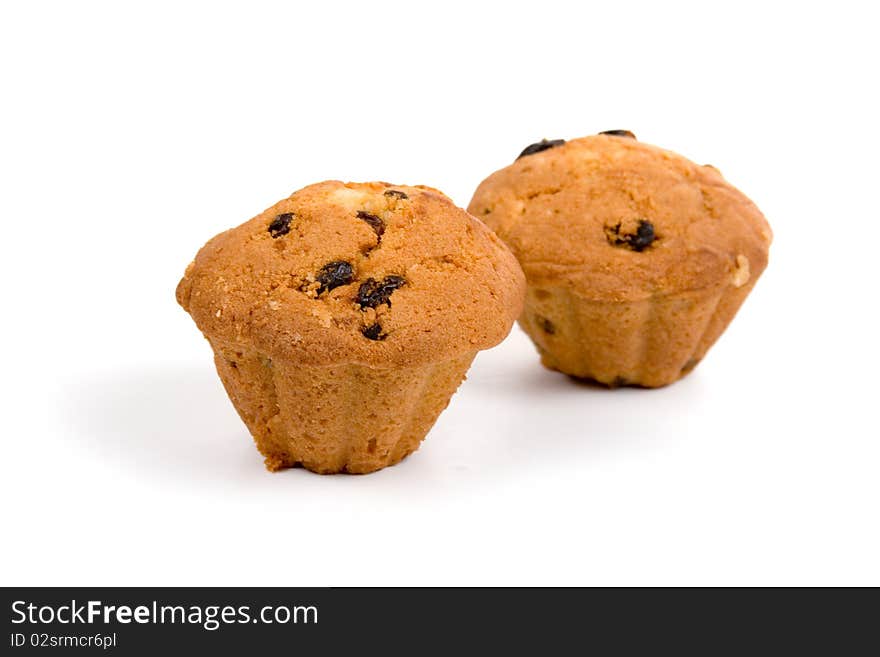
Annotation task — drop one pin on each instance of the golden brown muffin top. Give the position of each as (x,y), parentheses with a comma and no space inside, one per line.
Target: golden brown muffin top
(372,273)
(615,219)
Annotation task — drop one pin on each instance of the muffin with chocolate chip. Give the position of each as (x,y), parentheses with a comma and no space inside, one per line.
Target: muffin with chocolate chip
(344,317)
(636,258)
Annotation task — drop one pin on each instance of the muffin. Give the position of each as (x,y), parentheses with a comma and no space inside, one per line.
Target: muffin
(344,317)
(636,258)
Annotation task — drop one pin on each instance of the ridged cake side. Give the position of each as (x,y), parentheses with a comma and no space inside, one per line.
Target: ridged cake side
(340,418)
(649,343)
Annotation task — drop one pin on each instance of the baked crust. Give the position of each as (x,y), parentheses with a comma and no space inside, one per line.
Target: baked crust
(454,288)
(562,209)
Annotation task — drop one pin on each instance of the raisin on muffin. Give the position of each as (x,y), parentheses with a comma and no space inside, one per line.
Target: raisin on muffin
(636,258)
(344,317)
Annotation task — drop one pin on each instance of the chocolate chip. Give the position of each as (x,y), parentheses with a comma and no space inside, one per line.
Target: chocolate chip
(618,133)
(334,274)
(542,145)
(396,193)
(639,241)
(373,332)
(374,293)
(375,222)
(280,225)
(546,325)
(644,236)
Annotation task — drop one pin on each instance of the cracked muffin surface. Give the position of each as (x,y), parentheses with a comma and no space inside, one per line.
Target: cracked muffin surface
(636,258)
(344,317)
(619,219)
(359,272)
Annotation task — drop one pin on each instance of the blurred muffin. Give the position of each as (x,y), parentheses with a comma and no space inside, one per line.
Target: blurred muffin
(636,258)
(344,317)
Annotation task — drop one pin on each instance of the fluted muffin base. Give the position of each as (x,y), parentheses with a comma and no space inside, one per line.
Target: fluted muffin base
(340,418)
(651,342)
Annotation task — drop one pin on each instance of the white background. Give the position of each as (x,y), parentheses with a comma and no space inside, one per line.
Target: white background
(131,134)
